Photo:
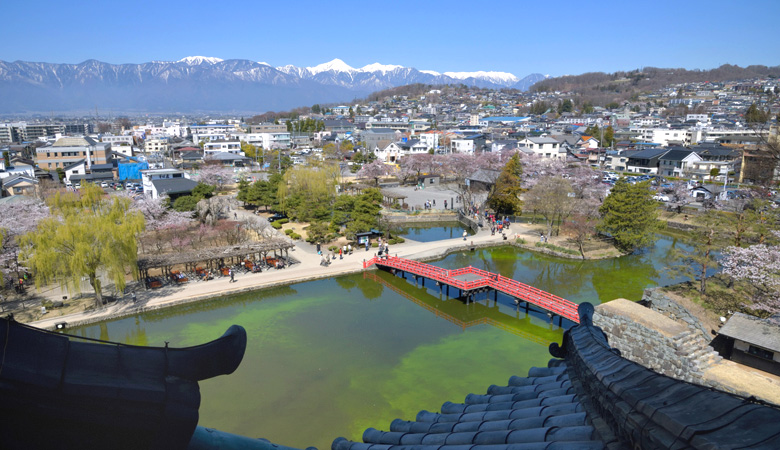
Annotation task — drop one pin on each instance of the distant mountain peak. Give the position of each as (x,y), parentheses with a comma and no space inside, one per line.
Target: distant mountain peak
(376,67)
(198,60)
(335,65)
(233,84)
(504,77)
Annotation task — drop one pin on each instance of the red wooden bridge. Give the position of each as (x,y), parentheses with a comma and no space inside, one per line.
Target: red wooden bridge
(470,279)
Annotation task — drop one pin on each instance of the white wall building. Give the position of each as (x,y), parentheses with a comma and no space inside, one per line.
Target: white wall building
(545,147)
(222,146)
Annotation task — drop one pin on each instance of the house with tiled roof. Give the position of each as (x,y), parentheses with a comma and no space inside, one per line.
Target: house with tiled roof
(645,161)
(587,142)
(18,185)
(677,162)
(545,147)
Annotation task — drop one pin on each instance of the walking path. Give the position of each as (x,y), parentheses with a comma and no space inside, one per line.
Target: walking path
(309,268)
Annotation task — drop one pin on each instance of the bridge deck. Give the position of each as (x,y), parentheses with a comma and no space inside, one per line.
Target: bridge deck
(471,278)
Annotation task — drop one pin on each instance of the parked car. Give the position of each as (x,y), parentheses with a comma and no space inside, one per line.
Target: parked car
(661,197)
(104,184)
(277,216)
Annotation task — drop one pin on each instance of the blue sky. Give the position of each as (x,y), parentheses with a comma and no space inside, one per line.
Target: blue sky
(517,36)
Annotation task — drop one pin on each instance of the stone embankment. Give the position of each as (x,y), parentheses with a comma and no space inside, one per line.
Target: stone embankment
(658,301)
(677,350)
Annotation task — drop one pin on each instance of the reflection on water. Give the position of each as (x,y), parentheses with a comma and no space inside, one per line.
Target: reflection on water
(437,231)
(358,351)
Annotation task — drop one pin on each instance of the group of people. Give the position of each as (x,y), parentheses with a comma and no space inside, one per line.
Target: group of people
(500,225)
(430,204)
(325,258)
(384,249)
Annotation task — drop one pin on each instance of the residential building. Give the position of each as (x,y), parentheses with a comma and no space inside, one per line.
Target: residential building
(171,182)
(20,184)
(158,145)
(645,161)
(222,146)
(546,147)
(378,138)
(268,128)
(677,162)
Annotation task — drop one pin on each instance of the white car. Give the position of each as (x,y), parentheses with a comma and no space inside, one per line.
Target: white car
(104,184)
(661,197)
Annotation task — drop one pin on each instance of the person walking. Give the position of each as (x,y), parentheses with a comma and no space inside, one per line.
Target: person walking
(367,244)
(133,297)
(341,254)
(232,276)
(465,234)
(445,204)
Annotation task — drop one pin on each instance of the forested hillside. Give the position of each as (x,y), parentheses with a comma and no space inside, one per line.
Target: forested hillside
(601,88)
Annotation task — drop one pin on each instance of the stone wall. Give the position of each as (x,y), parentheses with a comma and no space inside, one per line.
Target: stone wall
(658,301)
(680,226)
(655,341)
(422,217)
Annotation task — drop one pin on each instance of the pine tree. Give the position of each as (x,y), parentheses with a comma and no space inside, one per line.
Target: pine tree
(506,194)
(630,215)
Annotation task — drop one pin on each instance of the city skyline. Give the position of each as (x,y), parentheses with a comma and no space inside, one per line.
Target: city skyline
(456,37)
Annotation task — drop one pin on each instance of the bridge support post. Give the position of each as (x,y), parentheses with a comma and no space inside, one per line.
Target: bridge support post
(422,281)
(495,295)
(448,290)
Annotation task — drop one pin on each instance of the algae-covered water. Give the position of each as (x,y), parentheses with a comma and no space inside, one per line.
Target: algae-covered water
(428,232)
(333,357)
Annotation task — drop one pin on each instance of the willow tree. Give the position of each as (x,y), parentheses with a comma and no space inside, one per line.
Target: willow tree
(87,235)
(307,192)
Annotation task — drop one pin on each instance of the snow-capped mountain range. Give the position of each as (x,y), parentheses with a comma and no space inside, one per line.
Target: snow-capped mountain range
(199,83)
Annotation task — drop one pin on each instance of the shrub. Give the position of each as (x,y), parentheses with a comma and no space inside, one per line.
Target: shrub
(333,248)
(288,232)
(282,221)
(520,241)
(295,236)
(276,225)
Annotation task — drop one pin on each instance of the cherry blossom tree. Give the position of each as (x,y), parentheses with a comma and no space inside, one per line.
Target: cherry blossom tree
(17,219)
(159,215)
(163,224)
(214,174)
(760,266)
(535,168)
(680,195)
(412,166)
(375,170)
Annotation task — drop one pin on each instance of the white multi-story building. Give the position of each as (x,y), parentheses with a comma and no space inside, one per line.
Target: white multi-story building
(545,147)
(222,146)
(212,129)
(117,140)
(462,146)
(430,139)
(271,140)
(159,145)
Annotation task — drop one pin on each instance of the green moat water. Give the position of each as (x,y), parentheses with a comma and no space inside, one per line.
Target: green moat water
(333,357)
(426,232)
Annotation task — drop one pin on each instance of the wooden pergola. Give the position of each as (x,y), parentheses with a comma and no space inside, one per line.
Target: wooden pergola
(213,258)
(392,197)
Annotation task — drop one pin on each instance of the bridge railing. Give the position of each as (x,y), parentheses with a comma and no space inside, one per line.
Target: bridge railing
(514,288)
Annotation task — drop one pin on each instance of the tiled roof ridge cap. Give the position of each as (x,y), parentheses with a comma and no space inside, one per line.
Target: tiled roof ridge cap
(633,399)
